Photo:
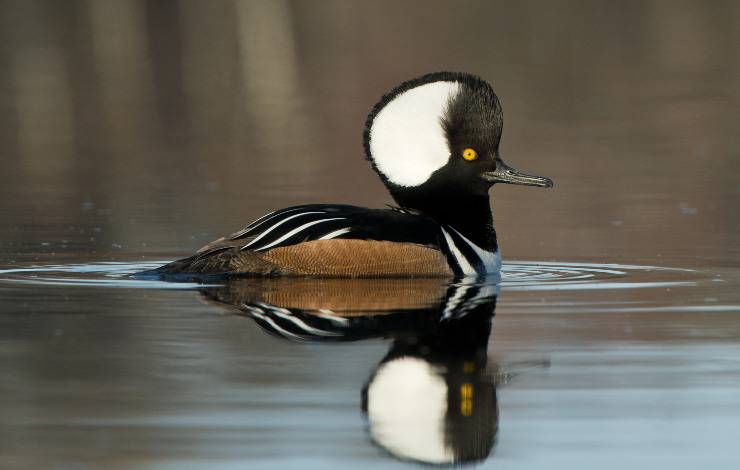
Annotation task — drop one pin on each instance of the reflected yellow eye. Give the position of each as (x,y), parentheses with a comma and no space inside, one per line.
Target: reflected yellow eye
(470,154)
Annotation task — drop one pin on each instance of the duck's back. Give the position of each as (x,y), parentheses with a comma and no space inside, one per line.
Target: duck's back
(322,240)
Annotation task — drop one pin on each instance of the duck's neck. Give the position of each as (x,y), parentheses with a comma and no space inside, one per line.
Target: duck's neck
(468,214)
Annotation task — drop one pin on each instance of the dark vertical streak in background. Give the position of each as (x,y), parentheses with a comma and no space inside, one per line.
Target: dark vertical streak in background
(167,123)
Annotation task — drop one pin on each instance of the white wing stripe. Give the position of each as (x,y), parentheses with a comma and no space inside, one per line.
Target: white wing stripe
(257,222)
(252,225)
(335,233)
(277,225)
(294,231)
(262,220)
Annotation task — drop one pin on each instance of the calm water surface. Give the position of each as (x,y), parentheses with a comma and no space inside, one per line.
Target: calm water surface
(133,133)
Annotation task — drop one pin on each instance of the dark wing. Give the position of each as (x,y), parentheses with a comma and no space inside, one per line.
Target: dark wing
(311,222)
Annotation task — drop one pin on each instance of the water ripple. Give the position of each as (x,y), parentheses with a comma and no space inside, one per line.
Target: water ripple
(515,275)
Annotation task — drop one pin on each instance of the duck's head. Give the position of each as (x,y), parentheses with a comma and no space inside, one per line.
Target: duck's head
(440,133)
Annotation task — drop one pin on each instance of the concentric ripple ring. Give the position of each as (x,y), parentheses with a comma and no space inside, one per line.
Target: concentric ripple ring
(515,275)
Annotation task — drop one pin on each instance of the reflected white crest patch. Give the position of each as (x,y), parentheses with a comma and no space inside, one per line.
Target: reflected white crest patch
(406,407)
(407,141)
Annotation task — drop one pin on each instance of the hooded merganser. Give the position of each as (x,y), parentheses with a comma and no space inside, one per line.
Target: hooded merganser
(434,142)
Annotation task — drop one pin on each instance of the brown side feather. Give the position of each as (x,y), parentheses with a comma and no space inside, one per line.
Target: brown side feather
(359,258)
(328,258)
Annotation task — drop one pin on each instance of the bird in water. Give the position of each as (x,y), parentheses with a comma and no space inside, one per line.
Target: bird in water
(434,142)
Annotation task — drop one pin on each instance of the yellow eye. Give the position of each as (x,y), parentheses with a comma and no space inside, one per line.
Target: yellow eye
(470,154)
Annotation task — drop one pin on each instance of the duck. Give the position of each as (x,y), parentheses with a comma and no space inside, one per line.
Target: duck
(434,143)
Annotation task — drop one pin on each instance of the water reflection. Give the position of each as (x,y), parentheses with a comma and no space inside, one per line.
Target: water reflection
(432,398)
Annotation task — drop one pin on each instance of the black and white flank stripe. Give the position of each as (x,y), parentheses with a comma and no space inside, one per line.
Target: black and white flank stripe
(465,257)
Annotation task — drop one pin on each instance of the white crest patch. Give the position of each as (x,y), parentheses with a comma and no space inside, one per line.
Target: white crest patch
(407,141)
(406,407)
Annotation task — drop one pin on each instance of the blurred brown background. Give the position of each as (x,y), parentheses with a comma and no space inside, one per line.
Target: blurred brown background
(135,128)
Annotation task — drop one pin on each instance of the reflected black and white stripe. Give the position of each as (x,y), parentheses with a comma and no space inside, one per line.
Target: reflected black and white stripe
(296,324)
(464,297)
(465,257)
